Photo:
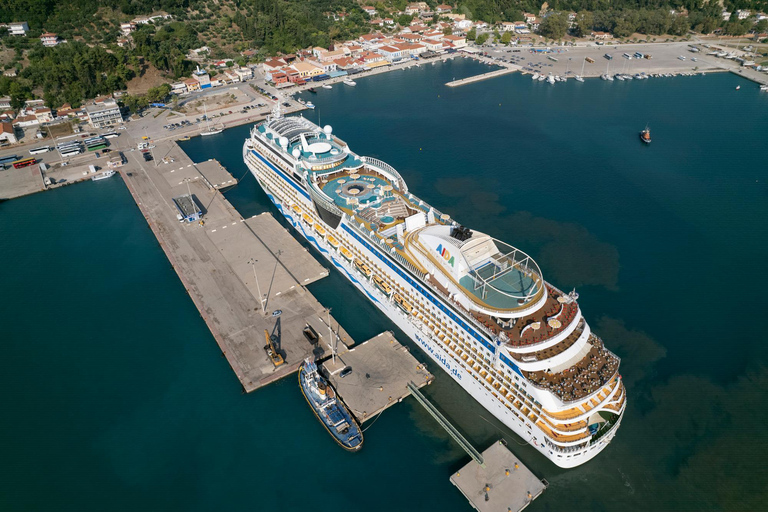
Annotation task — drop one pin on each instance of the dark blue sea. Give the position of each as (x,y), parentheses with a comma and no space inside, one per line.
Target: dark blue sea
(116,397)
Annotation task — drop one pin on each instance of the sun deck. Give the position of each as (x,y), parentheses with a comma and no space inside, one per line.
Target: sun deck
(582,379)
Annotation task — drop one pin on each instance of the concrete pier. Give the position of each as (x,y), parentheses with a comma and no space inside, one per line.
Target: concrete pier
(381,370)
(484,76)
(246,276)
(501,484)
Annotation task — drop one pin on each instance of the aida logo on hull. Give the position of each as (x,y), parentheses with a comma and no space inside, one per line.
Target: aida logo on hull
(445,254)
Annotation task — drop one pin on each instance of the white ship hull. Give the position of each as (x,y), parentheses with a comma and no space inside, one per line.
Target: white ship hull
(414,329)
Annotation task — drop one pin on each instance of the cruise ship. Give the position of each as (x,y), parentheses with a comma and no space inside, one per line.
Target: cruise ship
(479,307)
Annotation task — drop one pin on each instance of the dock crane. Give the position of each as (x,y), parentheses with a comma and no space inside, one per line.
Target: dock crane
(269,348)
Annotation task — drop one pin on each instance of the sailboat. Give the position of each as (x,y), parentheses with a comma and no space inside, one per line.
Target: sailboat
(580,78)
(208,125)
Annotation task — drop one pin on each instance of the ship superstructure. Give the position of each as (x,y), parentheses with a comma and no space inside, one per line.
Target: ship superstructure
(476,305)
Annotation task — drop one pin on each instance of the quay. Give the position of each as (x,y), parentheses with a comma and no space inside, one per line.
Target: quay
(501,484)
(382,370)
(485,76)
(247,277)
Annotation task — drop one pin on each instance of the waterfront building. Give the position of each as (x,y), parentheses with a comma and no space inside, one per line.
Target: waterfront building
(370,11)
(479,307)
(106,114)
(5,103)
(456,41)
(7,133)
(443,8)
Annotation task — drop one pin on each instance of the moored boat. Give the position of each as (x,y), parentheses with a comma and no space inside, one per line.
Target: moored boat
(333,242)
(320,230)
(350,82)
(329,408)
(468,293)
(103,176)
(306,218)
(310,105)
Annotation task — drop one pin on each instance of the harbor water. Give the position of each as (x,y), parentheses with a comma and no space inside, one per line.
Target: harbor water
(116,396)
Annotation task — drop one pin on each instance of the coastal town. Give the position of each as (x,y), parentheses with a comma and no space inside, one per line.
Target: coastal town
(516,46)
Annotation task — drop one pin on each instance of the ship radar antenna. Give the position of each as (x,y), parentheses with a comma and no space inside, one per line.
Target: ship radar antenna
(277,112)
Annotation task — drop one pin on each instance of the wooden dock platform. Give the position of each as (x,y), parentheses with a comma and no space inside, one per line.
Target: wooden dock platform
(501,484)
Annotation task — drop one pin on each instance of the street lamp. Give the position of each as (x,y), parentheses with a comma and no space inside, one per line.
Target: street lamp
(253,262)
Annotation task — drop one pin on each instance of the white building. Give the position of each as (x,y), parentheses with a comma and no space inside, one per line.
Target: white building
(106,114)
(7,133)
(49,39)
(18,29)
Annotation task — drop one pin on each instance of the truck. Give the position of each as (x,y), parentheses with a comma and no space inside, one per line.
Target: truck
(311,334)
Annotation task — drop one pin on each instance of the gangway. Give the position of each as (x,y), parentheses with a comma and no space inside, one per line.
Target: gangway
(443,421)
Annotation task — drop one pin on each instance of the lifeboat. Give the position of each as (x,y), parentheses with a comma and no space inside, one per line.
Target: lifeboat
(333,242)
(363,268)
(402,304)
(296,209)
(306,218)
(345,252)
(382,285)
(320,230)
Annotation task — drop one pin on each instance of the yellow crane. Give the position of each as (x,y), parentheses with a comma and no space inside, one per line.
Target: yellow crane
(276,358)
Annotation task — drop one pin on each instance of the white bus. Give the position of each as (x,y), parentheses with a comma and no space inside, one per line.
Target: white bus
(71,152)
(110,135)
(37,151)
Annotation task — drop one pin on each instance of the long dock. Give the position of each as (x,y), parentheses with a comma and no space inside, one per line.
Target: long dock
(501,484)
(484,76)
(247,277)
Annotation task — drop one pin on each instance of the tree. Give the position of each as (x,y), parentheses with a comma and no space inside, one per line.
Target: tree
(554,26)
(447,31)
(506,37)
(482,38)
(472,34)
(761,26)
(584,23)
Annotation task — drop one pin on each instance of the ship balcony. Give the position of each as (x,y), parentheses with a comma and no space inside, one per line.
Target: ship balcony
(587,407)
(567,346)
(563,439)
(582,379)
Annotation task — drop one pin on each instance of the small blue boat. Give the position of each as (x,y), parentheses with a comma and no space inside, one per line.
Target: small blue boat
(328,408)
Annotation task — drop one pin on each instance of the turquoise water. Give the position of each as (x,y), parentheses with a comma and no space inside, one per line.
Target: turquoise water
(116,396)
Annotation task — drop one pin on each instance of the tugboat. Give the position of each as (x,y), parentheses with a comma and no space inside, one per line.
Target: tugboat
(331,412)
(645,135)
